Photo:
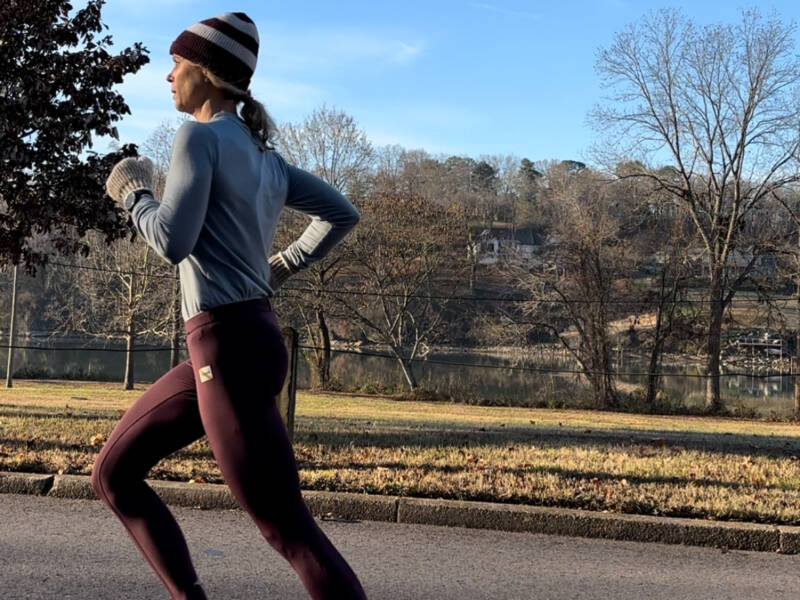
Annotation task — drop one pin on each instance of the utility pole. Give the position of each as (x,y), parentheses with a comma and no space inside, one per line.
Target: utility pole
(11,333)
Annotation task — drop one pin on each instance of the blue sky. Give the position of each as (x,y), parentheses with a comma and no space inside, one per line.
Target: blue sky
(483,77)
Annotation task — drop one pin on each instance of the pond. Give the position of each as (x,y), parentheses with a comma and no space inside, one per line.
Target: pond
(543,378)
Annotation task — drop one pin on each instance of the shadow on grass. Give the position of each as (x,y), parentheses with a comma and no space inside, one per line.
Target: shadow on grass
(594,477)
(330,431)
(57,413)
(39,445)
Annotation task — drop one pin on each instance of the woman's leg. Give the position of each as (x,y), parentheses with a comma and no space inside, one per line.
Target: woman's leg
(240,369)
(164,419)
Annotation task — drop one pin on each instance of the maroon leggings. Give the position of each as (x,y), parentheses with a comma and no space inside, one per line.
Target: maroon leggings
(226,391)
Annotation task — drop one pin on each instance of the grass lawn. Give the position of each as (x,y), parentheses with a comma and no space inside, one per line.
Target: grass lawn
(713,468)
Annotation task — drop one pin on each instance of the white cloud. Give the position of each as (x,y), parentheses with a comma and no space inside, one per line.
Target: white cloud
(288,49)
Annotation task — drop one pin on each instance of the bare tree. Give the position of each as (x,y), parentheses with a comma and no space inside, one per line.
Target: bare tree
(116,292)
(576,281)
(329,144)
(158,147)
(658,239)
(716,103)
(131,292)
(788,264)
(402,262)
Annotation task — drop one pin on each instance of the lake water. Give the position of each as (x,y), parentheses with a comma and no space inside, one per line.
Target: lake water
(471,377)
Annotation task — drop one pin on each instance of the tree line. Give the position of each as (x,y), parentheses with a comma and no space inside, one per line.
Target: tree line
(690,198)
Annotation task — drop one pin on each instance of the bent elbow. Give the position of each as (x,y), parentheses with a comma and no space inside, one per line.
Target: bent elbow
(174,254)
(353,217)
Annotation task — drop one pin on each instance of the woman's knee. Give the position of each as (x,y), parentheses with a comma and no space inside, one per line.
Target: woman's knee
(287,528)
(106,479)
(99,478)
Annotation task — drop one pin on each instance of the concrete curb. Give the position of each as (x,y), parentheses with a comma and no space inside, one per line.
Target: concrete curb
(453,513)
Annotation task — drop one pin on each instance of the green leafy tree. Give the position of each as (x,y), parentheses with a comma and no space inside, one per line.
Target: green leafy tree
(56,94)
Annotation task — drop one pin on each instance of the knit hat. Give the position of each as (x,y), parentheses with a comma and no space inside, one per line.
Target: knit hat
(227,45)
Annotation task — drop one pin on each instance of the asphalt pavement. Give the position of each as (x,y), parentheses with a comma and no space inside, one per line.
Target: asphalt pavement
(76,549)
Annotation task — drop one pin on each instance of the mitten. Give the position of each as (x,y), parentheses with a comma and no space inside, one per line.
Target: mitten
(278,271)
(129,175)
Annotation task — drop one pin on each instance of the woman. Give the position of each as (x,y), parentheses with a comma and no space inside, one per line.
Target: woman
(224,192)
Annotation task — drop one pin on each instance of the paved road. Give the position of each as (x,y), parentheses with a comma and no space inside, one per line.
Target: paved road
(74,549)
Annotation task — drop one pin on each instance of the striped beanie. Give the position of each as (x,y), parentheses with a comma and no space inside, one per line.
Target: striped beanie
(227,45)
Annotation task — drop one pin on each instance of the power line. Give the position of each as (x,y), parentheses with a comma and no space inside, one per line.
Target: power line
(428,361)
(85,349)
(115,271)
(548,370)
(501,299)
(460,298)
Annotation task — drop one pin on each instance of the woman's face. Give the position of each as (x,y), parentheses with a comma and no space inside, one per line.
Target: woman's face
(189,87)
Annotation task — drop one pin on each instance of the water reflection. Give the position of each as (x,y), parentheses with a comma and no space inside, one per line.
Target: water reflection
(480,378)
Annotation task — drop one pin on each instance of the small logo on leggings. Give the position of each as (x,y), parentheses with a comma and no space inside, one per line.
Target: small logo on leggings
(205,374)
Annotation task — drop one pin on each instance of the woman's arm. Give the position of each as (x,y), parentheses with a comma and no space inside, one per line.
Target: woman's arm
(332,217)
(172,227)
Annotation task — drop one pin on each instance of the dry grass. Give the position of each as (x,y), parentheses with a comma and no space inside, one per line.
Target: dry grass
(682,466)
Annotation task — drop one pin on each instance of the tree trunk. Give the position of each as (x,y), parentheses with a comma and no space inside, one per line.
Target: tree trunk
(174,352)
(653,374)
(797,342)
(600,376)
(130,338)
(714,346)
(794,376)
(408,372)
(609,393)
(324,359)
(11,333)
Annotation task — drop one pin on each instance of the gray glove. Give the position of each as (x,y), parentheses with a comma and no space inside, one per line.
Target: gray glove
(129,175)
(278,271)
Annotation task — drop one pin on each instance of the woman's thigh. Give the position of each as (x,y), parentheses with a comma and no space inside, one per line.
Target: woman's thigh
(164,419)
(240,369)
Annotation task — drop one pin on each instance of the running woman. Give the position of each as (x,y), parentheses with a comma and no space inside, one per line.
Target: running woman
(224,192)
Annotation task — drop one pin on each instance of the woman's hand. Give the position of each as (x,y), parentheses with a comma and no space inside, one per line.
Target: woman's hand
(130,175)
(278,271)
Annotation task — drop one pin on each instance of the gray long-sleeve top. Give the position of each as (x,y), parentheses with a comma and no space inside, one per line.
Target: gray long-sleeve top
(220,209)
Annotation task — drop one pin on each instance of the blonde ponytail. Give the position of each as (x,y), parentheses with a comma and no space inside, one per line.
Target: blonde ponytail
(251,111)
(258,120)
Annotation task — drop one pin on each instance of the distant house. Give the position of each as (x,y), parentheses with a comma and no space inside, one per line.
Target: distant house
(491,243)
(765,264)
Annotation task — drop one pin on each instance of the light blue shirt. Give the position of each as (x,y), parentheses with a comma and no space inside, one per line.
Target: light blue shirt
(220,209)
